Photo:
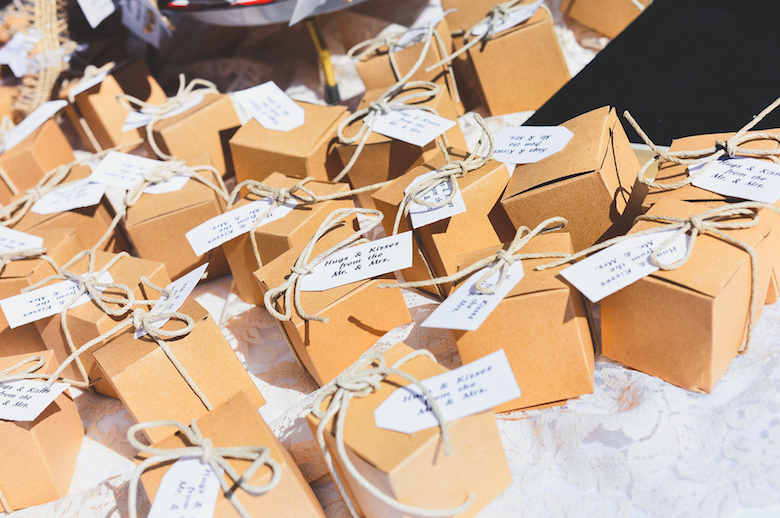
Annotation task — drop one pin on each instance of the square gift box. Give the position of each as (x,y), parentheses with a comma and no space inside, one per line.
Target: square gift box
(609,17)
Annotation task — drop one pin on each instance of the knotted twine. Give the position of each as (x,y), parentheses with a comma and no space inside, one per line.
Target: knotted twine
(708,156)
(501,261)
(209,454)
(186,93)
(363,378)
(291,288)
(714,222)
(19,254)
(6,126)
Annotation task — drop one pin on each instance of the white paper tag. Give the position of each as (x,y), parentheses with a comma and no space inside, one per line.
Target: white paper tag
(529,144)
(622,264)
(25,400)
(466,309)
(86,84)
(145,20)
(16,53)
(11,239)
(32,122)
(416,127)
(139,119)
(741,177)
(271,107)
(221,229)
(473,388)
(189,489)
(181,288)
(514,18)
(95,11)
(125,171)
(416,34)
(422,215)
(176,183)
(72,195)
(361,262)
(44,302)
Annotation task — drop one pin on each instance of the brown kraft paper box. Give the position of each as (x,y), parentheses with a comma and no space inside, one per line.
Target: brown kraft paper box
(686,325)
(541,325)
(384,158)
(236,423)
(39,457)
(303,151)
(61,245)
(27,162)
(588,182)
(484,223)
(139,371)
(88,321)
(99,109)
(359,313)
(276,237)
(609,17)
(412,468)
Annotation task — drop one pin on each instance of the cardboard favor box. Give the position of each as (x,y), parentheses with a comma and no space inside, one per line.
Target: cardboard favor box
(236,423)
(39,457)
(88,321)
(384,158)
(686,325)
(541,325)
(139,371)
(588,182)
(413,468)
(301,152)
(61,245)
(98,117)
(276,237)
(482,225)
(609,17)
(359,312)
(27,162)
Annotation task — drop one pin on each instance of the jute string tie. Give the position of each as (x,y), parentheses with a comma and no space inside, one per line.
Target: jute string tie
(360,380)
(722,148)
(25,253)
(291,288)
(714,221)
(214,456)
(6,126)
(90,72)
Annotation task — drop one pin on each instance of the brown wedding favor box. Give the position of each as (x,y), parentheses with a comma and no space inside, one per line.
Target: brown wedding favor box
(139,371)
(588,182)
(236,423)
(548,343)
(483,224)
(39,457)
(98,116)
(609,17)
(88,321)
(359,312)
(413,468)
(686,325)
(276,237)
(301,152)
(384,158)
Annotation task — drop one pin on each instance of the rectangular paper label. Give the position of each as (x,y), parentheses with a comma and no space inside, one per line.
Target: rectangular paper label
(271,107)
(174,184)
(44,302)
(25,400)
(741,177)
(361,262)
(73,195)
(622,264)
(137,119)
(515,18)
(32,122)
(181,288)
(11,239)
(529,144)
(16,53)
(189,489)
(221,229)
(466,309)
(473,388)
(416,127)
(95,11)
(125,171)
(422,215)
(145,20)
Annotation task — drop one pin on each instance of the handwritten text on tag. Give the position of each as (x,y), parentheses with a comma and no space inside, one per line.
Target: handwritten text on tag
(25,400)
(529,144)
(189,489)
(416,127)
(181,288)
(741,177)
(32,122)
(11,239)
(73,195)
(422,215)
(271,107)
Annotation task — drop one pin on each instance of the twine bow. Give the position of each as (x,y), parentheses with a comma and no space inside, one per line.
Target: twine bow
(209,454)
(6,126)
(90,72)
(501,261)
(714,222)
(291,288)
(186,93)
(722,148)
(360,380)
